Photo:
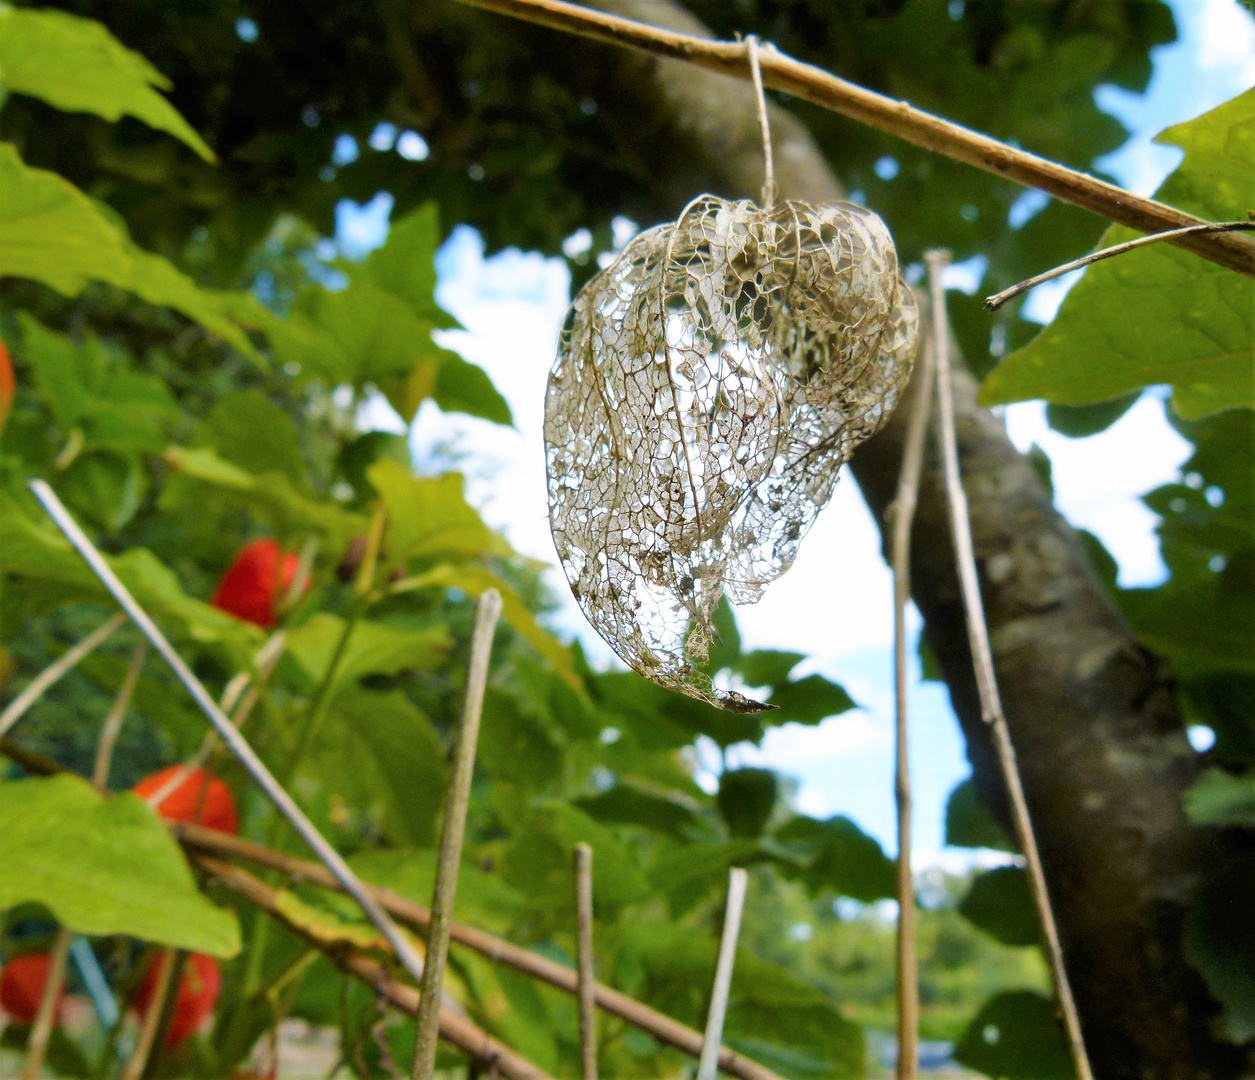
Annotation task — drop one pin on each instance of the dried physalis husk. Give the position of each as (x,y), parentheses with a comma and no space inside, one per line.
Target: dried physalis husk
(709,384)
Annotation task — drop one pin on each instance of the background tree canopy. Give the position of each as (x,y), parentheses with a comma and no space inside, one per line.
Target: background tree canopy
(189,358)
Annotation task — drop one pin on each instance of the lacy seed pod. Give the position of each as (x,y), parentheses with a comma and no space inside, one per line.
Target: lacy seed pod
(709,384)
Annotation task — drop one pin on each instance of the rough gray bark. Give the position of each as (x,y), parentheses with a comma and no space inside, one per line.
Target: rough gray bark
(1093,715)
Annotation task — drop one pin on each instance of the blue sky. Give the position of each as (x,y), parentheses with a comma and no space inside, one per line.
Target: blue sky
(834,604)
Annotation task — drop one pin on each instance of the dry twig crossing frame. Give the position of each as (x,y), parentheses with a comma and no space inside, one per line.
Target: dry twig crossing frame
(228,733)
(982,659)
(900,118)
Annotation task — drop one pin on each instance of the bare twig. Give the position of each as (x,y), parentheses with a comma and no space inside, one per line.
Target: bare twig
(40,683)
(235,741)
(151,1022)
(902,517)
(46,1017)
(488,611)
(708,1063)
(454,1028)
(112,727)
(198,840)
(982,659)
(585,971)
(781,72)
(769,170)
(998,299)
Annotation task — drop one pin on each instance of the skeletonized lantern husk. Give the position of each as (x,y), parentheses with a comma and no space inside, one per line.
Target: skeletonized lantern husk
(709,384)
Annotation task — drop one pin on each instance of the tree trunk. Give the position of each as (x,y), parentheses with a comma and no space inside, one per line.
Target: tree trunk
(1093,715)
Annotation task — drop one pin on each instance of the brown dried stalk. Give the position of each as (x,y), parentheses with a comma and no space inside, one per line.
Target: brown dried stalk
(781,72)
(982,659)
(454,1028)
(902,516)
(488,611)
(46,1017)
(586,977)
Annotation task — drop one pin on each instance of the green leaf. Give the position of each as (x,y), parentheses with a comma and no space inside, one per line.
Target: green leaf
(1001,903)
(767,667)
(77,65)
(380,751)
(1220,943)
(1017,1036)
(1081,421)
(1220,798)
(104,866)
(52,233)
(838,856)
(473,580)
(969,824)
(466,388)
(629,804)
(772,1016)
(248,430)
(746,799)
(688,874)
(515,744)
(373,648)
(291,514)
(106,488)
(483,899)
(809,701)
(1158,314)
(405,266)
(511,1007)
(431,516)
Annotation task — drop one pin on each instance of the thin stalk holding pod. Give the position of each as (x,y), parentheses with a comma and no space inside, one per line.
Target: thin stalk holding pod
(586,974)
(769,169)
(236,742)
(902,517)
(708,1063)
(426,1029)
(982,659)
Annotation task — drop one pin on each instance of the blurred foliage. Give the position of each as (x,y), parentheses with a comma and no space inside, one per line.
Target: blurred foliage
(190,353)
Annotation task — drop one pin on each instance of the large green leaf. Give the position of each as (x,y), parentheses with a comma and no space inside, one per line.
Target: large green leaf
(1220,942)
(406,264)
(273,496)
(52,233)
(378,751)
(746,799)
(372,648)
(1220,798)
(837,855)
(430,516)
(77,65)
(1016,1035)
(1000,903)
(969,824)
(103,866)
(1158,314)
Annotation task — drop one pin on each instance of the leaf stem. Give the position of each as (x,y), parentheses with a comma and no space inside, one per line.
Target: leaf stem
(902,516)
(769,171)
(813,84)
(998,299)
(166,959)
(982,659)
(488,611)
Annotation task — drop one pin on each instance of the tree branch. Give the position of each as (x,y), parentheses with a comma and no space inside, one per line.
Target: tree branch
(813,84)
